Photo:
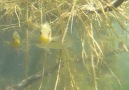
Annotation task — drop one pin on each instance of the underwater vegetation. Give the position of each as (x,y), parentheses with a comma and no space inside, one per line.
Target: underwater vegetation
(64,44)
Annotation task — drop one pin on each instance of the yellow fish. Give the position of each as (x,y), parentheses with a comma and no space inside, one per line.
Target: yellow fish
(15,42)
(46,41)
(45,34)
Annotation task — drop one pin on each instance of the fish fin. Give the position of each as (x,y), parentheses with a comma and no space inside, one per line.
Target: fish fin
(47,50)
(43,47)
(56,38)
(7,42)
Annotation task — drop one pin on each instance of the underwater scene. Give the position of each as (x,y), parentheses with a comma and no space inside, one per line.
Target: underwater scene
(64,45)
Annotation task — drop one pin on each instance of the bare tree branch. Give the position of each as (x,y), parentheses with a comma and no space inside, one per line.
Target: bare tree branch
(108,7)
(26,82)
(31,79)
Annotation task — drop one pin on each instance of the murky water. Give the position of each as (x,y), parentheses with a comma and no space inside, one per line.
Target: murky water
(80,53)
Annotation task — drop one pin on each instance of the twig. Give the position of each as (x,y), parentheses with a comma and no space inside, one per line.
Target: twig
(57,78)
(31,79)
(108,7)
(94,73)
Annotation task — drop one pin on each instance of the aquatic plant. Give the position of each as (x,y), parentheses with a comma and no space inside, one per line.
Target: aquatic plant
(88,38)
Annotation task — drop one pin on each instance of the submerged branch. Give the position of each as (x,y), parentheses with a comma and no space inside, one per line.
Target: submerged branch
(108,7)
(31,79)
(26,82)
(94,73)
(116,51)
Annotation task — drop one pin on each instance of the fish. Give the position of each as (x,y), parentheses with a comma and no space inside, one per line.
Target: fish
(15,42)
(46,41)
(45,34)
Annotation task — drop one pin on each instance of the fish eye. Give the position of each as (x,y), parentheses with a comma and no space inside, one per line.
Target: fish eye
(13,39)
(40,33)
(49,33)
